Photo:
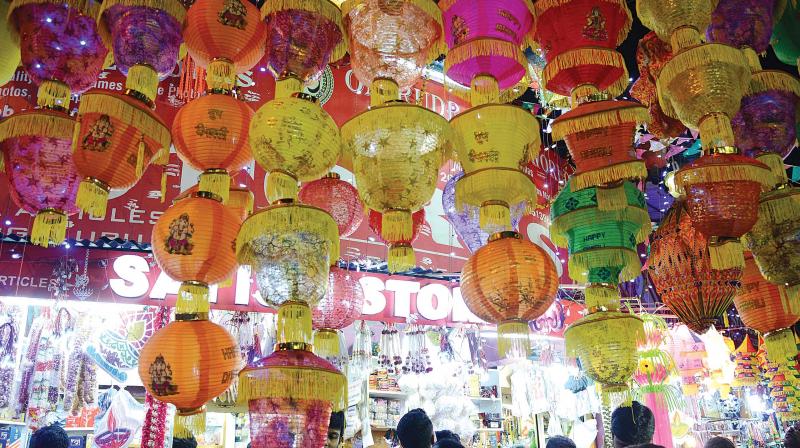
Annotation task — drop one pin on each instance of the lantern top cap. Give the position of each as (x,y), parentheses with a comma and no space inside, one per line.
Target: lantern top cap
(504,235)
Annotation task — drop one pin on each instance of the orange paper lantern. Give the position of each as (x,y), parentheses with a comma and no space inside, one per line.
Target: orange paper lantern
(187,363)
(193,242)
(509,281)
(211,135)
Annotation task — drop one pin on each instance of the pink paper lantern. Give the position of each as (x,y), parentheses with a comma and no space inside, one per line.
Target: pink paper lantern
(338,198)
(342,304)
(287,423)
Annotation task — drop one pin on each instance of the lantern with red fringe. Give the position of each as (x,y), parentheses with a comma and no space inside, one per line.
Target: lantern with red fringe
(401,253)
(509,281)
(340,307)
(338,198)
(702,85)
(767,308)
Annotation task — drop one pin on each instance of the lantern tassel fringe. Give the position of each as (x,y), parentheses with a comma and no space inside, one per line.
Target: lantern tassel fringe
(634,169)
(172,7)
(507,185)
(41,123)
(401,258)
(193,298)
(588,56)
(326,9)
(723,173)
(765,80)
(513,339)
(294,323)
(143,79)
(635,114)
(281,185)
(140,157)
(53,94)
(49,226)
(790,300)
(602,297)
(616,396)
(781,345)
(613,198)
(494,215)
(294,383)
(327,343)
(221,74)
(186,426)
(581,263)
(779,209)
(397,225)
(92,198)
(726,254)
(163,185)
(541,6)
(776,166)
(217,182)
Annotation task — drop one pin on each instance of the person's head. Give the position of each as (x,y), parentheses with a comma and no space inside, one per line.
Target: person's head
(448,443)
(415,430)
(560,442)
(447,434)
(335,430)
(792,438)
(632,425)
(178,442)
(719,442)
(52,436)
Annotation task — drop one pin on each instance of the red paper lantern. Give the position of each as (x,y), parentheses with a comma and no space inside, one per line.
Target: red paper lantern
(401,254)
(680,267)
(338,198)
(340,307)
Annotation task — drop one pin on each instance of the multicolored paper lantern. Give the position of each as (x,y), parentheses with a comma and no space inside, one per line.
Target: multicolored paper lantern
(337,197)
(510,282)
(746,372)
(401,255)
(340,307)
(681,270)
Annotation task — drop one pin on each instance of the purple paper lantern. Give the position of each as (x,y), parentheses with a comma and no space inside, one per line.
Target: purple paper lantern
(742,23)
(765,122)
(658,201)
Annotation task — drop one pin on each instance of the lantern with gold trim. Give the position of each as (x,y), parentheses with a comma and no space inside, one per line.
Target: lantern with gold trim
(768,309)
(680,267)
(401,255)
(337,197)
(340,307)
(224,37)
(702,85)
(8,47)
(509,281)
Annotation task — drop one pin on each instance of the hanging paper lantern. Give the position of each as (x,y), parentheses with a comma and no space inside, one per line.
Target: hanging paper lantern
(484,41)
(193,243)
(60,46)
(338,198)
(743,23)
(578,39)
(241,200)
(766,122)
(340,307)
(401,256)
(188,363)
(510,282)
(377,55)
(602,244)
(766,308)
(689,353)
(681,270)
(465,219)
(303,37)
(211,135)
(786,35)
(747,374)
(8,47)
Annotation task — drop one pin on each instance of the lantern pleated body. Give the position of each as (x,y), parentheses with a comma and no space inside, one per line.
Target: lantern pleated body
(509,281)
(211,134)
(303,37)
(767,308)
(602,243)
(8,47)
(494,141)
(401,255)
(42,177)
(786,35)
(338,198)
(293,139)
(745,23)
(188,363)
(193,242)
(340,307)
(680,267)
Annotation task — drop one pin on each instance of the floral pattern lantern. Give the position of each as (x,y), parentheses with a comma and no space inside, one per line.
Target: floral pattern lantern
(8,47)
(225,37)
(401,256)
(510,282)
(338,198)
(681,270)
(340,307)
(743,23)
(767,308)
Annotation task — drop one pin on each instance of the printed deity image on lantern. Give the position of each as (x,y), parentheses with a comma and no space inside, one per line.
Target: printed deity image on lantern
(180,236)
(161,378)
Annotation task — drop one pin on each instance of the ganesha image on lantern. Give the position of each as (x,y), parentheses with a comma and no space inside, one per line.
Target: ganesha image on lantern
(179,241)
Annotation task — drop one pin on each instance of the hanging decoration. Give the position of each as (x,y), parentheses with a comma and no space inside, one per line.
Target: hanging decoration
(9,48)
(401,255)
(689,354)
(340,307)
(390,349)
(155,418)
(682,273)
(337,197)
(510,282)
(786,35)
(746,372)
(360,364)
(418,358)
(721,188)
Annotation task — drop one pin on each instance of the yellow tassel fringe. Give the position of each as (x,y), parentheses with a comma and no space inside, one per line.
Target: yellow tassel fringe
(716,131)
(221,74)
(143,79)
(52,94)
(635,169)
(580,263)
(566,125)
(507,185)
(140,157)
(780,345)
(163,185)
(780,206)
(49,226)
(325,8)
(241,199)
(589,56)
(92,198)
(602,297)
(294,383)
(773,80)
(286,218)
(172,7)
(719,173)
(2,163)
(401,258)
(216,181)
(43,123)
(494,215)
(281,185)
(192,298)
(541,6)
(513,339)
(326,343)
(790,303)
(397,225)
(726,254)
(484,90)
(776,166)
(187,425)
(613,198)
(294,323)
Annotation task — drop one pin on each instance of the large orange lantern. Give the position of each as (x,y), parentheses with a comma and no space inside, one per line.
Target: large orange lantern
(509,281)
(767,308)
(193,242)
(188,363)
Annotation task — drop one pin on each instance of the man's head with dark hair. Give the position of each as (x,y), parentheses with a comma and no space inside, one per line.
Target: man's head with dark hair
(335,430)
(448,443)
(792,438)
(447,434)
(632,425)
(52,436)
(415,430)
(719,442)
(178,442)
(560,442)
